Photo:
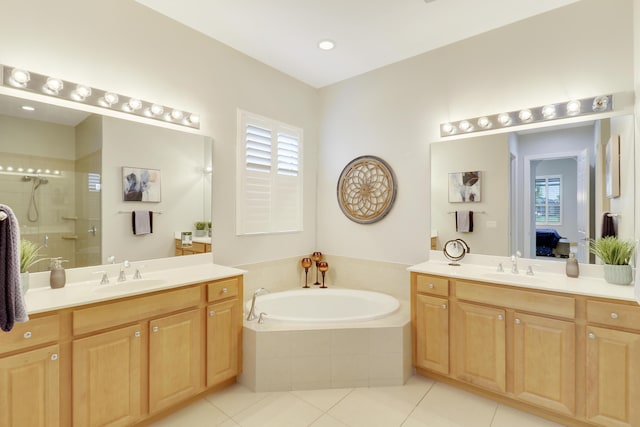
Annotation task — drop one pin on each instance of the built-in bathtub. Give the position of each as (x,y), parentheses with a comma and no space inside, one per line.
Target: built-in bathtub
(327,338)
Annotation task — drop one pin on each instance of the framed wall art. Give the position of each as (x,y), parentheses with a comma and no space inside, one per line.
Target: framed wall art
(464,187)
(612,167)
(140,184)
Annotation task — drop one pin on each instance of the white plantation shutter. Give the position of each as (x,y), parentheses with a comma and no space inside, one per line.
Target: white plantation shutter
(269,172)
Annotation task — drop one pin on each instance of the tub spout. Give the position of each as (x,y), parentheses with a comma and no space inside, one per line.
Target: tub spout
(252,312)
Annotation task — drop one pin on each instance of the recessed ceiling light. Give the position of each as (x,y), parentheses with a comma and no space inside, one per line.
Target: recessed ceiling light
(28,108)
(326,44)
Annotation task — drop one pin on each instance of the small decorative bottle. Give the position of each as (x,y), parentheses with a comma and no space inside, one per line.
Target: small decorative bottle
(573,268)
(57,276)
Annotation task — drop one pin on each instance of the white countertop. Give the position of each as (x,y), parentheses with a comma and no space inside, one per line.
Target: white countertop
(79,292)
(543,280)
(194,238)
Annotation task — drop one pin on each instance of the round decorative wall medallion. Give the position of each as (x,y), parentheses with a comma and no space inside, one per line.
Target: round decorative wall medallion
(366,189)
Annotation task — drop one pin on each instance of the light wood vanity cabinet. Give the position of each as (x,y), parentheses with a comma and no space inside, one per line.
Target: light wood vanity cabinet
(430,316)
(30,374)
(613,363)
(124,361)
(520,345)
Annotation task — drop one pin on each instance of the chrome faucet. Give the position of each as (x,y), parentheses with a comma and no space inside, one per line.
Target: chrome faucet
(122,277)
(252,311)
(514,262)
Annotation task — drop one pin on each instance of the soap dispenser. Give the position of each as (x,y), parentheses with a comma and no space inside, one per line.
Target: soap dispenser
(57,277)
(573,268)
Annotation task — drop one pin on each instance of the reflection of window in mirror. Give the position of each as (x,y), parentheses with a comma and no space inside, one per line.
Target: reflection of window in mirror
(548,207)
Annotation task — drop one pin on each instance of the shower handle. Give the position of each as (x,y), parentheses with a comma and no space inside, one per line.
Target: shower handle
(46,240)
(92,230)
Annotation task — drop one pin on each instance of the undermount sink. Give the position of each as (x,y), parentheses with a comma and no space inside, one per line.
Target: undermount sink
(129,286)
(515,278)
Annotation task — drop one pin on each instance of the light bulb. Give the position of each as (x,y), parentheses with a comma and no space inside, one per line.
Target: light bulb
(465,126)
(549,111)
(110,98)
(53,86)
(504,119)
(573,107)
(448,128)
(600,103)
(19,78)
(525,115)
(484,122)
(157,110)
(326,44)
(177,115)
(134,104)
(81,92)
(194,119)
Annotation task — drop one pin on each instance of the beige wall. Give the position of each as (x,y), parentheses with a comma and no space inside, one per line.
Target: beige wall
(122,46)
(394,112)
(490,156)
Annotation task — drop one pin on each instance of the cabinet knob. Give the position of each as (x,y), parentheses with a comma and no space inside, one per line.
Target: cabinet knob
(54,356)
(518,321)
(614,315)
(430,285)
(137,334)
(444,306)
(225,290)
(500,317)
(212,313)
(27,335)
(155,329)
(592,336)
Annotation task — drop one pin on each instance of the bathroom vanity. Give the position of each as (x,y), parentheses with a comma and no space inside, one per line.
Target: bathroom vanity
(562,348)
(122,353)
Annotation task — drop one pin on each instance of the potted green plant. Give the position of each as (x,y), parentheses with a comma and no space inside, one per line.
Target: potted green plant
(29,255)
(616,255)
(200,226)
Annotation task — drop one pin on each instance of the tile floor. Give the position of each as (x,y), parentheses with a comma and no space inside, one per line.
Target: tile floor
(421,402)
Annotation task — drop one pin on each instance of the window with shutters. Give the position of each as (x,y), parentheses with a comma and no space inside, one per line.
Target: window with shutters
(269,176)
(548,200)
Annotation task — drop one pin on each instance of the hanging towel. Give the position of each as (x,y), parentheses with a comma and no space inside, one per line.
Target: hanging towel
(608,225)
(464,221)
(12,307)
(142,222)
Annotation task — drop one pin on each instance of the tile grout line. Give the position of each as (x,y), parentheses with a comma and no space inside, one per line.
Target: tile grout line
(495,412)
(418,403)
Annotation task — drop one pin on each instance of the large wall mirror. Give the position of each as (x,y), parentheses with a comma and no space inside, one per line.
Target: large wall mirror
(61,173)
(542,192)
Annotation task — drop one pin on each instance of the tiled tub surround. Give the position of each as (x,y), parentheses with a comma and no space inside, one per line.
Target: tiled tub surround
(281,356)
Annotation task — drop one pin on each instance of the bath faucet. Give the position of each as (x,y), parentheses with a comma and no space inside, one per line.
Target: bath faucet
(122,277)
(514,262)
(252,311)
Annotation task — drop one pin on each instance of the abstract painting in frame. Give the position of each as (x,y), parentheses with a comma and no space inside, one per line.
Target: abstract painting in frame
(140,184)
(464,187)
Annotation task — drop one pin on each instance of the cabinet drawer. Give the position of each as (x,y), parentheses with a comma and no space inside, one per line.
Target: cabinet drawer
(223,289)
(117,313)
(432,285)
(36,331)
(553,305)
(608,313)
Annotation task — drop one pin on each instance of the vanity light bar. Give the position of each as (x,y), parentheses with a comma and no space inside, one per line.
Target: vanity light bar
(45,85)
(545,113)
(29,172)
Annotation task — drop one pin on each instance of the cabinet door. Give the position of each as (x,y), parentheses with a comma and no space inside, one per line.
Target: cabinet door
(224,329)
(432,334)
(479,346)
(613,372)
(544,362)
(30,388)
(106,378)
(174,359)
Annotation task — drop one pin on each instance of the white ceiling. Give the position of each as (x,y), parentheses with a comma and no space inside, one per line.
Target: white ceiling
(368,33)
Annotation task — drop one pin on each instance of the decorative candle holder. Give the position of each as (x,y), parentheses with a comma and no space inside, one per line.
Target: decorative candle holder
(316,257)
(323,267)
(306,263)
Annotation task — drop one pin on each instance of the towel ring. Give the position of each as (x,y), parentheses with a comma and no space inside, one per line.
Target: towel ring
(455,250)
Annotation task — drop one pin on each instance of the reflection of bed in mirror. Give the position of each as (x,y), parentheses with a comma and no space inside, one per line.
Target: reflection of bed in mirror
(550,244)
